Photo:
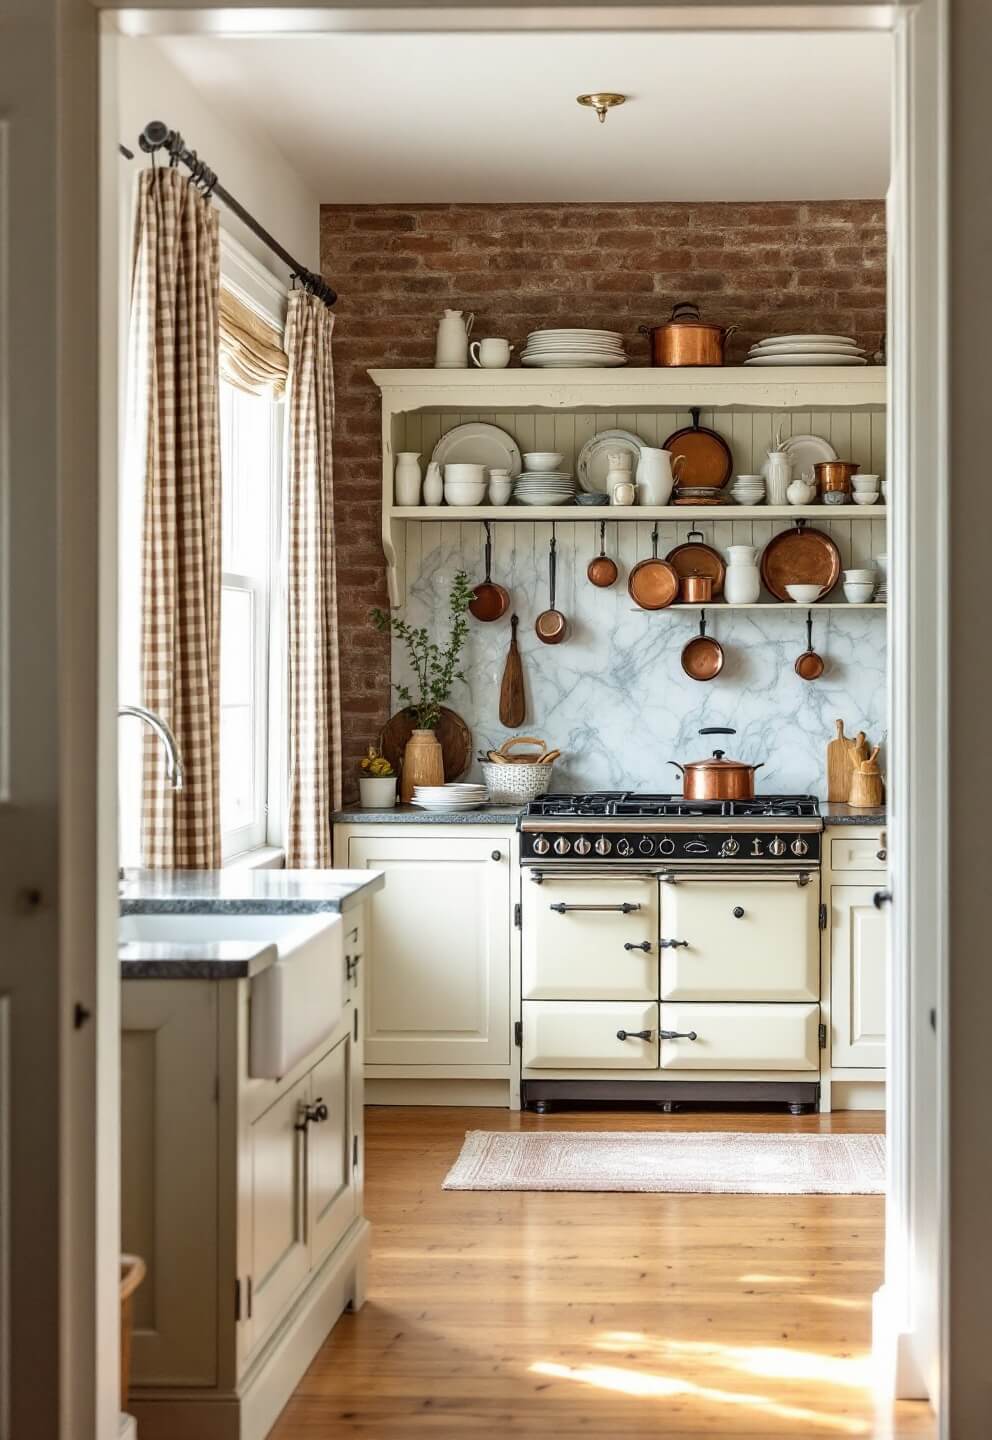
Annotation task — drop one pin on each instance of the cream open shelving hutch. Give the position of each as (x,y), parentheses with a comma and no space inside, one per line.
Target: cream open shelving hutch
(562,409)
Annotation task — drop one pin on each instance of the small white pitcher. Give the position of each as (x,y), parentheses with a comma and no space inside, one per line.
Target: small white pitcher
(655,480)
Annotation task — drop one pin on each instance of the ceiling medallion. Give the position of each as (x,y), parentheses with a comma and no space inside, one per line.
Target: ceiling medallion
(602,101)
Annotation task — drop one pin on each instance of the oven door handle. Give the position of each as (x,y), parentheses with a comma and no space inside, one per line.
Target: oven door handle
(636,1034)
(626,908)
(538,875)
(686,877)
(677,1035)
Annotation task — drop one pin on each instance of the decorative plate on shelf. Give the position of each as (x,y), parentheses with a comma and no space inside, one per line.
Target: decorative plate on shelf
(805,451)
(479,444)
(593,464)
(800,557)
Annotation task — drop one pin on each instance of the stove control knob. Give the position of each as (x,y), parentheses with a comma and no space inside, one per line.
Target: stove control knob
(776,847)
(602,846)
(799,846)
(541,845)
(582,846)
(624,846)
(562,845)
(646,845)
(666,846)
(730,846)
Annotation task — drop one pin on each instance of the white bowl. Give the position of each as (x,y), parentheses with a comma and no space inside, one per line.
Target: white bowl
(864,482)
(860,577)
(858,593)
(543,460)
(464,492)
(474,473)
(860,497)
(804,594)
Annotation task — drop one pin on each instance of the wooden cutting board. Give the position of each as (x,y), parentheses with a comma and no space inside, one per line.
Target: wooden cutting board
(452,732)
(839,765)
(512,700)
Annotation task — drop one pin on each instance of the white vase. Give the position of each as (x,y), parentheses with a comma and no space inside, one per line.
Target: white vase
(378,792)
(742,584)
(655,481)
(433,485)
(778,474)
(407,478)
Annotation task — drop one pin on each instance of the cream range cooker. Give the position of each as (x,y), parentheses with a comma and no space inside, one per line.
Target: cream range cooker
(670,949)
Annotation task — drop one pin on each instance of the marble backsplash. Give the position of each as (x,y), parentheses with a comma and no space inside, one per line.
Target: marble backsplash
(613,696)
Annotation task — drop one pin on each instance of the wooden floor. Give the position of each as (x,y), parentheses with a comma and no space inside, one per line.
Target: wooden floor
(600,1315)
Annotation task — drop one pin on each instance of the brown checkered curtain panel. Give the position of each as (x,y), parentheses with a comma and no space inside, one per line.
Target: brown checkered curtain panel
(314,691)
(173,365)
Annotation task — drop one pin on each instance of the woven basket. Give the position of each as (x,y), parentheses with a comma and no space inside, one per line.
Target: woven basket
(513,784)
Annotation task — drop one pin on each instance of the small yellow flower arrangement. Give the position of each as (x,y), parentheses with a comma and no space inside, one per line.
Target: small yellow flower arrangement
(376,766)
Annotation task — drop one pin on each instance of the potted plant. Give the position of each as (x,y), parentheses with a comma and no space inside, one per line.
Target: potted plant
(436,670)
(377,782)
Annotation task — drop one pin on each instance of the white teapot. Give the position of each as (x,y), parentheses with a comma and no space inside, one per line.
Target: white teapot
(453,330)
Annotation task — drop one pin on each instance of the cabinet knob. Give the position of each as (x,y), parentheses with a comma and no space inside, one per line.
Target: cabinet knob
(497,855)
(738,912)
(881,854)
(882,897)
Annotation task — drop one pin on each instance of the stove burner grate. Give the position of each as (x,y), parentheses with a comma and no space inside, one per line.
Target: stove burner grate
(629,804)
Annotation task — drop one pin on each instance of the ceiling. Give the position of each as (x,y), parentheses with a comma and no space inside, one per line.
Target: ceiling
(492,117)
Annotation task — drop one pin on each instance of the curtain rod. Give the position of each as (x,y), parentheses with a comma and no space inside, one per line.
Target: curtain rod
(158,136)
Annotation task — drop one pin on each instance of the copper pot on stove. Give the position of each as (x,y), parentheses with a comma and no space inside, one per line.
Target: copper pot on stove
(684,339)
(716,777)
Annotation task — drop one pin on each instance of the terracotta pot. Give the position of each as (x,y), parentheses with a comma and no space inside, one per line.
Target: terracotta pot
(423,763)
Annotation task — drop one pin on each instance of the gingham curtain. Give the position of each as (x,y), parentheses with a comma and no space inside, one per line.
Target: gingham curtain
(173,381)
(314,708)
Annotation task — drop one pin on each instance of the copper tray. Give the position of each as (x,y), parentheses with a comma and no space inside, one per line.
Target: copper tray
(800,557)
(707,458)
(453,734)
(694,558)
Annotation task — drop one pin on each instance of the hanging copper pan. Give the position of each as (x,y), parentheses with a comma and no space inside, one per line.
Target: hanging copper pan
(489,601)
(702,657)
(653,584)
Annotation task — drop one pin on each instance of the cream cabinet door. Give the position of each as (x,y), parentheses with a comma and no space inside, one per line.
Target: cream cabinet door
(590,939)
(858,945)
(437,991)
(583,1035)
(740,939)
(330,1192)
(741,1037)
(279,1244)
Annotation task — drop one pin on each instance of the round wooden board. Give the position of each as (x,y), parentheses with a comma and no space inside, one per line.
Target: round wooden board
(800,557)
(452,732)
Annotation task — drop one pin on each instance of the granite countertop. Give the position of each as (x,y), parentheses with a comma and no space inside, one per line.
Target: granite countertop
(834,812)
(410,815)
(246,892)
(172,960)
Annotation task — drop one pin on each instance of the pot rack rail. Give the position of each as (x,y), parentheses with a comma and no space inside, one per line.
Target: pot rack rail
(158,136)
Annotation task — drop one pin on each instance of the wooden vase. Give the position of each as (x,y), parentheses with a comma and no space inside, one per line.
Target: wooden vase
(423,763)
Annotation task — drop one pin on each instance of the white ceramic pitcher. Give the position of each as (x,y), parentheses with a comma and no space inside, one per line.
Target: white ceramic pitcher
(655,480)
(453,331)
(742,585)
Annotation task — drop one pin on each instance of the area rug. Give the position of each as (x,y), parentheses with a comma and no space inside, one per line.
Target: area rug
(682,1162)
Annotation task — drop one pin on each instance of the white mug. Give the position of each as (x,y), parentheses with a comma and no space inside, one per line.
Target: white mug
(490,354)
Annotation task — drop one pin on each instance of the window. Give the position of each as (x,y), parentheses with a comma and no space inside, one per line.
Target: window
(251,464)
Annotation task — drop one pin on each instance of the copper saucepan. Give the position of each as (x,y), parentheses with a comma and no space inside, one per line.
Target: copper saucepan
(551,625)
(601,570)
(489,601)
(717,778)
(685,340)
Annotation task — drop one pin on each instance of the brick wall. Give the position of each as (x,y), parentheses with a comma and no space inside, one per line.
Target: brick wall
(762,267)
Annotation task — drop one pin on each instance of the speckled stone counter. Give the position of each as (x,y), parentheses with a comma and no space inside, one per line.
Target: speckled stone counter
(246,892)
(835,813)
(171,960)
(410,815)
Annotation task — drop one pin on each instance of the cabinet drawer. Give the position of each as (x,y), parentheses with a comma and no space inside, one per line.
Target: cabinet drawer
(592,952)
(742,1037)
(857,852)
(582,1035)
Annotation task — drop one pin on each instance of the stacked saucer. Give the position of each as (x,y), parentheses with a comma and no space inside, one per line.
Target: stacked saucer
(449,797)
(806,350)
(574,349)
(539,486)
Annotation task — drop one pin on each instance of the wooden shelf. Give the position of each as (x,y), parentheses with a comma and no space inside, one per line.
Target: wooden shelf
(518,513)
(782,605)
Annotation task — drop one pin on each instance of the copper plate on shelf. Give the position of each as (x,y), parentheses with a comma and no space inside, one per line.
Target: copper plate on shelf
(800,557)
(693,557)
(707,458)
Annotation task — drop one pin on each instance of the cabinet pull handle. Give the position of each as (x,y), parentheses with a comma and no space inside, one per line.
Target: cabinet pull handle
(636,1034)
(882,897)
(674,944)
(497,855)
(881,854)
(645,945)
(351,964)
(627,908)
(677,1035)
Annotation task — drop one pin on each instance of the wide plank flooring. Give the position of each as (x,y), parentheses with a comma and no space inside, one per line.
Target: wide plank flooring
(601,1315)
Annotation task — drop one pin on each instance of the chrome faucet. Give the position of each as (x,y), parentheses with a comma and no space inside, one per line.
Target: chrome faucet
(173,759)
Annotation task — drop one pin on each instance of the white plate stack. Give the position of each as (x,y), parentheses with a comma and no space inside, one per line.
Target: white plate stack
(544,487)
(449,797)
(806,350)
(574,349)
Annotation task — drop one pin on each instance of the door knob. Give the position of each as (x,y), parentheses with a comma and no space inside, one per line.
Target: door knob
(882,897)
(635,1034)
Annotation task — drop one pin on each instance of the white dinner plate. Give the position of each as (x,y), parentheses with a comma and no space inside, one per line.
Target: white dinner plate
(800,349)
(807,340)
(575,334)
(574,362)
(805,451)
(592,466)
(479,444)
(823,360)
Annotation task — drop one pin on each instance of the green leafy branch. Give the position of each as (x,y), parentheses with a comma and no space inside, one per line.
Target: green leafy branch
(435,666)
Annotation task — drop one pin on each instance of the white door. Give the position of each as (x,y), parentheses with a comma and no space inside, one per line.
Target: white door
(594,938)
(858,941)
(437,987)
(740,1037)
(331,1194)
(740,939)
(589,1035)
(59,987)
(279,1245)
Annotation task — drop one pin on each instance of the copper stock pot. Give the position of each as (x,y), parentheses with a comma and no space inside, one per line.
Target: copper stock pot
(717,778)
(684,339)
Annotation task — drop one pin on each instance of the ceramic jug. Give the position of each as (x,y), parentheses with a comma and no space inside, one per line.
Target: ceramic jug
(433,484)
(453,331)
(742,584)
(407,478)
(655,480)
